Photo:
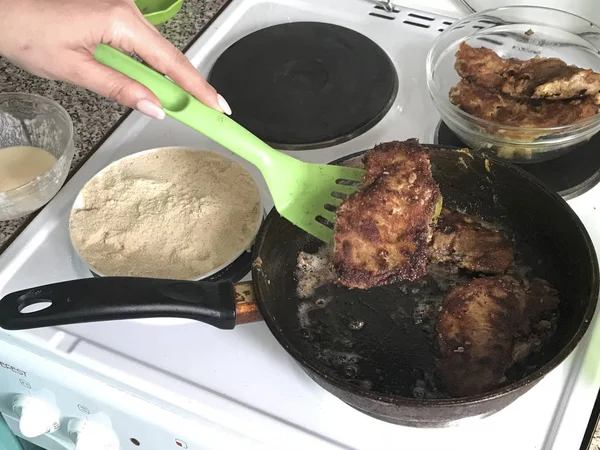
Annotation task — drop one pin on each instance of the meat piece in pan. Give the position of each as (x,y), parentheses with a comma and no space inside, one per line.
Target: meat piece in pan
(488,325)
(382,231)
(460,240)
(535,78)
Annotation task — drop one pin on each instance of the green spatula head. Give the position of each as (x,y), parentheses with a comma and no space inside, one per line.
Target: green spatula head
(305,194)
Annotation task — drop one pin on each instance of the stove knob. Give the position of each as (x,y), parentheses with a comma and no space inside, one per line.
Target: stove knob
(36,416)
(90,435)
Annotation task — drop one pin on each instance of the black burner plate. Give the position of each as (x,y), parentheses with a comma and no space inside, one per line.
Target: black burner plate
(569,175)
(306,85)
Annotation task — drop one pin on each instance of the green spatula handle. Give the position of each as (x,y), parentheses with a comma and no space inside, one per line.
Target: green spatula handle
(184,107)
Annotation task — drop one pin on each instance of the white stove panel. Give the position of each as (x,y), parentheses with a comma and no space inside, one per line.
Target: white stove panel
(241,383)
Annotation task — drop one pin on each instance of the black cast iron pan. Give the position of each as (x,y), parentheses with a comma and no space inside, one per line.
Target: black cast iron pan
(373,349)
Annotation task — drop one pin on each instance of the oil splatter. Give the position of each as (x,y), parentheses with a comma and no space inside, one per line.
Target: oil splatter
(350,371)
(313,270)
(356,325)
(303,310)
(322,302)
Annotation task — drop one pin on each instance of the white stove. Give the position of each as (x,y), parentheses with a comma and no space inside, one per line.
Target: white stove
(133,385)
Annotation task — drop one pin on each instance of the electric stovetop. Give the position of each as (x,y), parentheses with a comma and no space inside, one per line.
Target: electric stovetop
(239,389)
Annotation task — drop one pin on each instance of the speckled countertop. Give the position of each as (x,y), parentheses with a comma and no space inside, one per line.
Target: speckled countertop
(93,116)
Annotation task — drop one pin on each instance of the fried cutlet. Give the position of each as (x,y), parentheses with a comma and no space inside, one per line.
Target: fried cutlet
(536,78)
(550,79)
(578,83)
(506,110)
(460,240)
(488,325)
(481,66)
(382,231)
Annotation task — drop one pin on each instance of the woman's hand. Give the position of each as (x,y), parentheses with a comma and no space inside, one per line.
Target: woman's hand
(56,39)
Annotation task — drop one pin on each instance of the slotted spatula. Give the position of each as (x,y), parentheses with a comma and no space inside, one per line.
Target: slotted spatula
(306,194)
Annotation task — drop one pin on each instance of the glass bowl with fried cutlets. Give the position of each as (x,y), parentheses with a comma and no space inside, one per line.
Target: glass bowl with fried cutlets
(519,82)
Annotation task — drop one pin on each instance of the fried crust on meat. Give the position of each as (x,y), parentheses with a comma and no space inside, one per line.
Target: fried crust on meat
(549,79)
(481,66)
(488,325)
(381,231)
(536,78)
(460,240)
(505,110)
(524,78)
(580,83)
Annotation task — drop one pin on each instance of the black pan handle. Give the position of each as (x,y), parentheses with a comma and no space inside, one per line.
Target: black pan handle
(117,298)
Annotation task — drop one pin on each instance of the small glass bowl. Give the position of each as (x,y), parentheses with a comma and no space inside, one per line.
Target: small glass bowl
(35,121)
(506,31)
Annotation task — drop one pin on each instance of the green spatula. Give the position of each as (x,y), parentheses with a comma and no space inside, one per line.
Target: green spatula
(305,194)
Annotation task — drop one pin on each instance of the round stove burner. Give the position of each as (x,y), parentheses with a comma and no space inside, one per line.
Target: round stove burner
(306,85)
(569,175)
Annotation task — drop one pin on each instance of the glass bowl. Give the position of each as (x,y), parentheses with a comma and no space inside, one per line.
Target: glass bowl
(28,120)
(507,31)
(588,9)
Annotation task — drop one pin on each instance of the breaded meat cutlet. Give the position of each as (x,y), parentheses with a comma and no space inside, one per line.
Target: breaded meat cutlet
(382,230)
(505,110)
(460,240)
(535,78)
(481,65)
(488,325)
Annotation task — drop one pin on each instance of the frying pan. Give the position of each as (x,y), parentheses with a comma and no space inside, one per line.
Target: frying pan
(374,349)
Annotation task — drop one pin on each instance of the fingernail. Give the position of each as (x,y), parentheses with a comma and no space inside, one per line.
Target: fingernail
(224,105)
(150,109)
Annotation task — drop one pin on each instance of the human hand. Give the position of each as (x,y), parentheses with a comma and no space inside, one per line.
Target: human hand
(56,39)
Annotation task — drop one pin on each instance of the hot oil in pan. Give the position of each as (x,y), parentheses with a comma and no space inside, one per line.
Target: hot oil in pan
(345,327)
(331,319)
(384,338)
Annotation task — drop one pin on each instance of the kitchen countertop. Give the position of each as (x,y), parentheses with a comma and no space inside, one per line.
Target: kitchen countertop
(93,116)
